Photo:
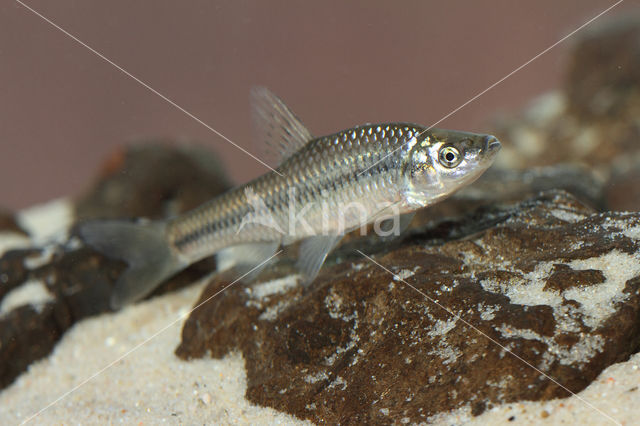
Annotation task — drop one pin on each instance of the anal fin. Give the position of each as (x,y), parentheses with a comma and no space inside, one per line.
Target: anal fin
(245,257)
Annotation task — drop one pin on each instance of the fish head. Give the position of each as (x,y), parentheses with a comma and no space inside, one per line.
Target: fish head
(443,161)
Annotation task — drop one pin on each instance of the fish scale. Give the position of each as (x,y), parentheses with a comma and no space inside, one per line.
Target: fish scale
(214,225)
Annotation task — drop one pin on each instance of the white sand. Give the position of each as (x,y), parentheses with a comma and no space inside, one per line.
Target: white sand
(148,386)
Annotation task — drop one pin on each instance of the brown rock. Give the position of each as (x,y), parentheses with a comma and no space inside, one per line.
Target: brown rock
(552,281)
(39,330)
(563,277)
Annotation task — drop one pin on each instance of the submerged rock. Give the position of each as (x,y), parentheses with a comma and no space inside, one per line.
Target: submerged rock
(555,283)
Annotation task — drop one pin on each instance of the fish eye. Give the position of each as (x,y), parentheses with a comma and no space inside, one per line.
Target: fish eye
(449,156)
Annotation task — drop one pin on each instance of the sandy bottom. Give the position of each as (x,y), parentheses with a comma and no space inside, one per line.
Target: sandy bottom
(150,385)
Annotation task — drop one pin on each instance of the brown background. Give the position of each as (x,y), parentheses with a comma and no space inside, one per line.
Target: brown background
(336,63)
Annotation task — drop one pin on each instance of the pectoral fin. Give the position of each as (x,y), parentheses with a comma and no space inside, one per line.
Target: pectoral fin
(313,252)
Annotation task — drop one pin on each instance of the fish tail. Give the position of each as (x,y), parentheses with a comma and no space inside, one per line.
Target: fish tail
(143,246)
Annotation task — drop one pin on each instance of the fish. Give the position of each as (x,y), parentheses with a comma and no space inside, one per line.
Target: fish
(320,189)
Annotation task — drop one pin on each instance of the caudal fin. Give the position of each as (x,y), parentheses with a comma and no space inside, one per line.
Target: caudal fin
(143,246)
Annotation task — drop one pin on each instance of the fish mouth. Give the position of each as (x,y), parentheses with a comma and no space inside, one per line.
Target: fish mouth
(491,145)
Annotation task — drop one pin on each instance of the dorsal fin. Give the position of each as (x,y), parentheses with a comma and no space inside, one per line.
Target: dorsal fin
(277,129)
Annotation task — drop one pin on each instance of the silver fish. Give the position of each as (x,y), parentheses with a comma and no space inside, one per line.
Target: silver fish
(322,188)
